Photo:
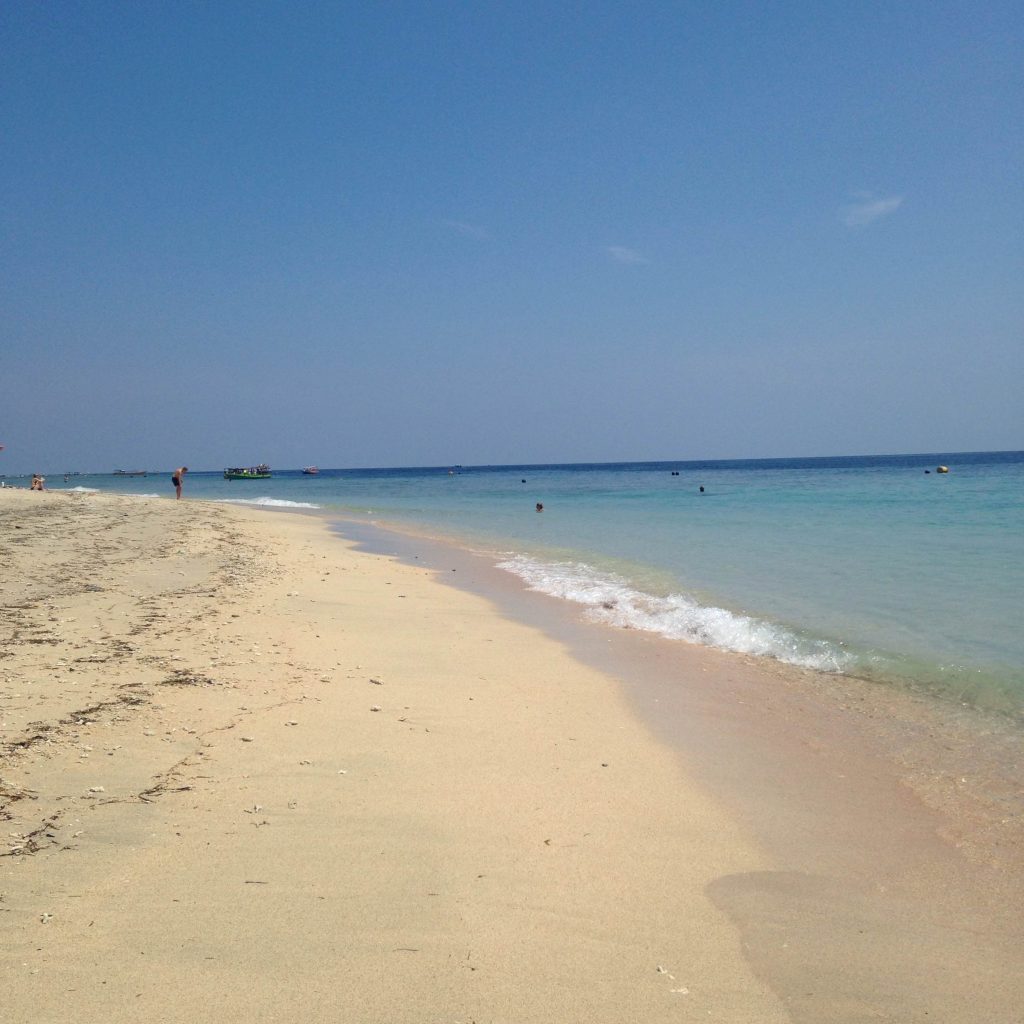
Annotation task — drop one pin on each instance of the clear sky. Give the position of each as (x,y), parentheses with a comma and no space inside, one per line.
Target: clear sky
(380,234)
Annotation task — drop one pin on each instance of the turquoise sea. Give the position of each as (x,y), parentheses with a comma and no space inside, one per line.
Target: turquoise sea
(874,566)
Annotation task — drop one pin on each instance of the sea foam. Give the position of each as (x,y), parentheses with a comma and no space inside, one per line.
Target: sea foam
(274,502)
(610,598)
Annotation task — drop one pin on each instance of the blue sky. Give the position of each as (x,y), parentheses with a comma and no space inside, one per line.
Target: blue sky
(415,234)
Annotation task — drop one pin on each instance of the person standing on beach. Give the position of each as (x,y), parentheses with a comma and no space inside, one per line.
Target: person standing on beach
(177,477)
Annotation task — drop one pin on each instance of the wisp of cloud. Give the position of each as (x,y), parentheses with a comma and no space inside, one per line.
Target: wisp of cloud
(621,254)
(467,230)
(869,209)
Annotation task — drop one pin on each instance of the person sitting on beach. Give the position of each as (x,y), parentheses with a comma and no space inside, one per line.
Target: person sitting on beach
(37,482)
(176,479)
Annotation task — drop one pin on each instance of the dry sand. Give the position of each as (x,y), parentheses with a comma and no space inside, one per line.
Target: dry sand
(250,773)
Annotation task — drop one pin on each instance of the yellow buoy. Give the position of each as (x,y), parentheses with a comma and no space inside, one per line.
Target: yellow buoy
(942,469)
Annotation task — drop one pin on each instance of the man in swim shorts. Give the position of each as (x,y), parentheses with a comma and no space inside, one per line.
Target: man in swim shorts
(177,477)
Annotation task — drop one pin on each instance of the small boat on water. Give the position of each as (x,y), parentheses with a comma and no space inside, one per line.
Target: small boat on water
(121,472)
(260,472)
(310,470)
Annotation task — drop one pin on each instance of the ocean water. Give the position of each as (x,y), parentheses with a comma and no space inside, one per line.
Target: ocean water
(869,566)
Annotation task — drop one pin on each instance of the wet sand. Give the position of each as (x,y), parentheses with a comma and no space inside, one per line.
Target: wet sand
(250,772)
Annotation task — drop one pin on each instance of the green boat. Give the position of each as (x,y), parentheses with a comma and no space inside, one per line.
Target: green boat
(260,472)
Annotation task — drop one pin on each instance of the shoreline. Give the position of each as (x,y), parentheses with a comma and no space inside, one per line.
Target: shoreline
(994,712)
(930,739)
(538,824)
(939,650)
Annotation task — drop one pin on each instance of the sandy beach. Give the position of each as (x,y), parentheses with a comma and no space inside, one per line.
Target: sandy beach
(250,772)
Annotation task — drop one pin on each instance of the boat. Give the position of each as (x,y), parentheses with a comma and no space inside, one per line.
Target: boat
(310,470)
(260,472)
(121,472)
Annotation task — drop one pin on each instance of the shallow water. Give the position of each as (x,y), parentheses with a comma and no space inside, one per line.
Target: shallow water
(869,566)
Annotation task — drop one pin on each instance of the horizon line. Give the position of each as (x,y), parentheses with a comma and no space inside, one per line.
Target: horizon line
(549,465)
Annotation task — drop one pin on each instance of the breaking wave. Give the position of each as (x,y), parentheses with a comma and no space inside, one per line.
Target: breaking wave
(274,502)
(609,598)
